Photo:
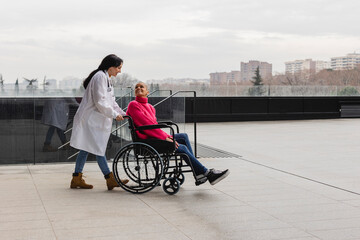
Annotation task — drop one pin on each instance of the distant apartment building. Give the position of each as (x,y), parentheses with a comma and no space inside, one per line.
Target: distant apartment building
(307,65)
(219,78)
(248,70)
(321,65)
(350,61)
(233,76)
(300,66)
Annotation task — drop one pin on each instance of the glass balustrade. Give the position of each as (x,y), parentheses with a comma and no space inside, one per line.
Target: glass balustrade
(27,138)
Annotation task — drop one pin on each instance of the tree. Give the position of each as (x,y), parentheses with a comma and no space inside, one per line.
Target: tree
(257,78)
(348,91)
(125,80)
(154,87)
(257,89)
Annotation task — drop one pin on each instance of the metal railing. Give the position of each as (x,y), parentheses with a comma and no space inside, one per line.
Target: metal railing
(159,91)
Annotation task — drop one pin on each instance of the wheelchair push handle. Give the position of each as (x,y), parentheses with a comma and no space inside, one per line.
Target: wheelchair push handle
(170,123)
(127,117)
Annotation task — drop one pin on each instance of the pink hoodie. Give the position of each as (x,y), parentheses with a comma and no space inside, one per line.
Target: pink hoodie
(143,114)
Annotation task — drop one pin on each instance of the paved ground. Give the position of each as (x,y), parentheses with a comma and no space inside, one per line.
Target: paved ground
(295,180)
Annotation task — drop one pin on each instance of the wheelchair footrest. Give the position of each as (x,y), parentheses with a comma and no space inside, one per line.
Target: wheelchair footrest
(197,183)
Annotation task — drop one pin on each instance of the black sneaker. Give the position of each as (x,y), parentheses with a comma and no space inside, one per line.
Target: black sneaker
(216,176)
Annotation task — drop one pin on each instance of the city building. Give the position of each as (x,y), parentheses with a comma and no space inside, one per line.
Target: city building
(179,81)
(307,65)
(321,65)
(234,77)
(219,78)
(350,61)
(300,66)
(248,70)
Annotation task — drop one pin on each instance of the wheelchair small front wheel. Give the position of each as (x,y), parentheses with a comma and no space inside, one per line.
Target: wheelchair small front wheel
(171,185)
(181,178)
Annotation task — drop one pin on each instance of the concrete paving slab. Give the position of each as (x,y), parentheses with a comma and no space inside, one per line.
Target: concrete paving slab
(295,180)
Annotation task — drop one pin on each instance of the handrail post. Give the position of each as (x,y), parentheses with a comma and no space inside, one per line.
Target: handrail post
(194,116)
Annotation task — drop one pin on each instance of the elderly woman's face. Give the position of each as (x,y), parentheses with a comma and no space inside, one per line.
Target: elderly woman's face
(141,90)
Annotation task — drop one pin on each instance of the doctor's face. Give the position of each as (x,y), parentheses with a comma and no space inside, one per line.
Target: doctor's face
(141,90)
(113,71)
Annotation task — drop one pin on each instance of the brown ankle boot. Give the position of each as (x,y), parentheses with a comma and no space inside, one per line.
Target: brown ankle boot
(111,182)
(78,182)
(49,148)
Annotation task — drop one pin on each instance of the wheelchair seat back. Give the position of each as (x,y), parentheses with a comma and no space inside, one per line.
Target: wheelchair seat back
(132,129)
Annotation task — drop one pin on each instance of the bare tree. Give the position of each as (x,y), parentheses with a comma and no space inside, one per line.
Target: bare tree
(125,80)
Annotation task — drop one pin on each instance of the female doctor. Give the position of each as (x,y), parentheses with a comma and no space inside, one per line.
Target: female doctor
(93,121)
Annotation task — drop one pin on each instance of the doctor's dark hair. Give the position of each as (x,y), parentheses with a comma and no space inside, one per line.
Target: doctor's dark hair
(109,61)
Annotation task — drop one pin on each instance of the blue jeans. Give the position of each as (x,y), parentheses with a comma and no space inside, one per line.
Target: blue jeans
(50,133)
(81,159)
(185,147)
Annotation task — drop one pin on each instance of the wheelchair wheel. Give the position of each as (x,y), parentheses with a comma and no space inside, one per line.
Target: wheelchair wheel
(171,185)
(141,164)
(181,178)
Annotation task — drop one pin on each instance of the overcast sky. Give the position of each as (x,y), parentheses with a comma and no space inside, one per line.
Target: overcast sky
(163,38)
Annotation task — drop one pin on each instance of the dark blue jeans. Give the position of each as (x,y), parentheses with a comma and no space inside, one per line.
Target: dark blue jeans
(50,133)
(185,147)
(81,159)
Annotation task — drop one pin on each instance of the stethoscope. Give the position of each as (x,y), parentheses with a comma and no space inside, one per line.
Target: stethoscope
(108,82)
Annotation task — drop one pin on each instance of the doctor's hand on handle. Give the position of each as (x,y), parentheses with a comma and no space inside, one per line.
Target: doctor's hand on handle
(119,118)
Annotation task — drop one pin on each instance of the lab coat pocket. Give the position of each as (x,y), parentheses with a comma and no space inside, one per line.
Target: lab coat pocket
(99,121)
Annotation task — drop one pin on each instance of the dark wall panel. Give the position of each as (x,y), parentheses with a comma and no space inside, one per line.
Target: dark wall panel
(222,109)
(288,105)
(249,105)
(319,105)
(213,105)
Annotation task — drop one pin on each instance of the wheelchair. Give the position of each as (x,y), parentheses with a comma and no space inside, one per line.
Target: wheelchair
(145,162)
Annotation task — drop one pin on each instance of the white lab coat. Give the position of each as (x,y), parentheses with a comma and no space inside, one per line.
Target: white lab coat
(93,119)
(56,113)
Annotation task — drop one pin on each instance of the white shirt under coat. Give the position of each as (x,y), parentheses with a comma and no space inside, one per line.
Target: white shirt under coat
(93,119)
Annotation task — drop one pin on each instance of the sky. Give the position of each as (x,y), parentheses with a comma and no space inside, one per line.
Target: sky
(161,39)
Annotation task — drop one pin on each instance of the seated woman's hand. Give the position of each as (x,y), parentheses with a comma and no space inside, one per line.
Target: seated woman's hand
(171,140)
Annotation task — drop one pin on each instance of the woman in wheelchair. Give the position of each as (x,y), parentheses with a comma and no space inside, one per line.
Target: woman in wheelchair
(144,113)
